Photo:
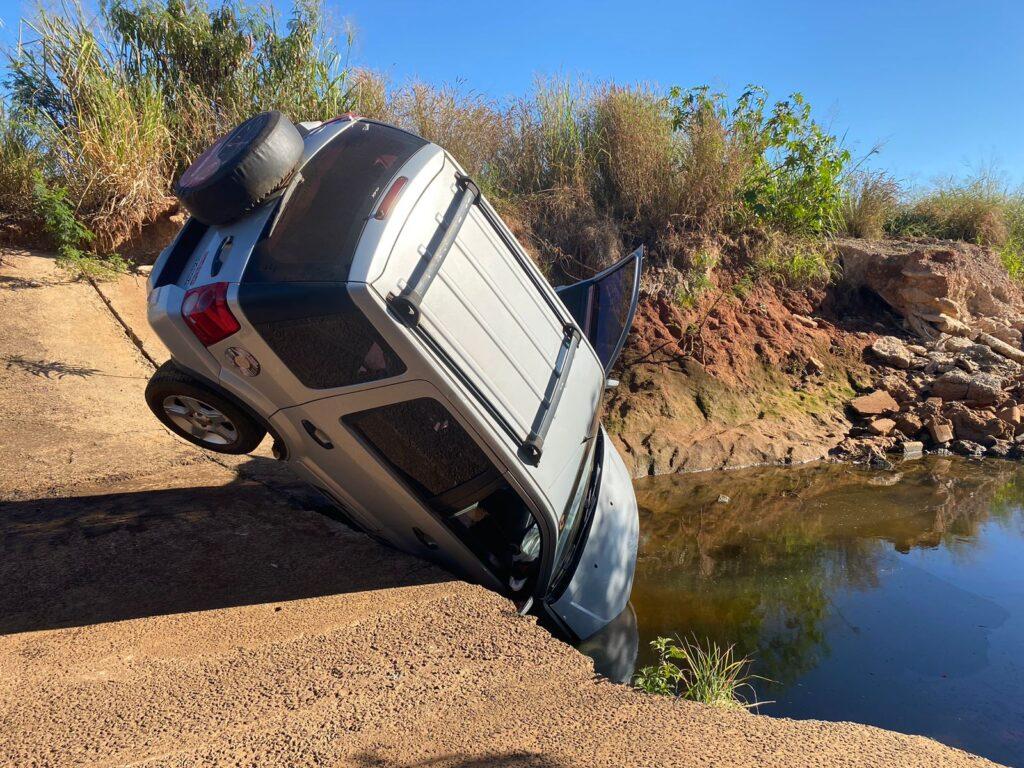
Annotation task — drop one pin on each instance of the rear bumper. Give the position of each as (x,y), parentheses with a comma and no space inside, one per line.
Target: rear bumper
(599,588)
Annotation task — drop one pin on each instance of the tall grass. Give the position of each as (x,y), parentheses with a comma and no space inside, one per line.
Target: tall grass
(112,107)
(972,209)
(870,200)
(121,101)
(696,671)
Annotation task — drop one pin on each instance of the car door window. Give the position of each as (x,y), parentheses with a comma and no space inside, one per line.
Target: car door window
(444,467)
(604,306)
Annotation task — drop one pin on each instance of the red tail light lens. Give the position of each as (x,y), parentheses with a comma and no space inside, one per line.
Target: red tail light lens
(391,198)
(206,311)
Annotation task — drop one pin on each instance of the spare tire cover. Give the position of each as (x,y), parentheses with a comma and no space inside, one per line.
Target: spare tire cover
(241,169)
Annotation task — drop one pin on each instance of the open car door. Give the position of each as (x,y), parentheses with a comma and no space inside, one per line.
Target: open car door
(604,305)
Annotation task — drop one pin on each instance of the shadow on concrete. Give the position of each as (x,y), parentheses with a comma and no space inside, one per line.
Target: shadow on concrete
(517,759)
(77,561)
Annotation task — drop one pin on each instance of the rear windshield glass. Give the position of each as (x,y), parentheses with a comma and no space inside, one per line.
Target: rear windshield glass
(316,232)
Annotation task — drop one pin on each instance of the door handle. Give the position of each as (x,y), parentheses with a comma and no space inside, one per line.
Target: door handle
(318,435)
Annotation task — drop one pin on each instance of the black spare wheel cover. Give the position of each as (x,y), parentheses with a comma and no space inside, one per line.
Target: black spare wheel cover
(241,169)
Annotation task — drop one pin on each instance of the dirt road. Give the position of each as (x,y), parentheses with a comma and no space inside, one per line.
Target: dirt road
(161,608)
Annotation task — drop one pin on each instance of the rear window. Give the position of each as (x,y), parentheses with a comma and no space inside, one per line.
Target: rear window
(316,232)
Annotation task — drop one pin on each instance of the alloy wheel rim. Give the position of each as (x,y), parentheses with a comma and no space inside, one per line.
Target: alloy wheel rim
(200,420)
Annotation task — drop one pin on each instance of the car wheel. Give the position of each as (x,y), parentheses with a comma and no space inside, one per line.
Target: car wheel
(195,411)
(241,169)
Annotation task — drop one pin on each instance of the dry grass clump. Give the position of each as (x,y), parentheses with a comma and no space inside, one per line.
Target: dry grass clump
(973,210)
(870,201)
(104,134)
(19,160)
(466,124)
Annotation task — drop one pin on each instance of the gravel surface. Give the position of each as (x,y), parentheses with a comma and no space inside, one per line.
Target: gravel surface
(163,608)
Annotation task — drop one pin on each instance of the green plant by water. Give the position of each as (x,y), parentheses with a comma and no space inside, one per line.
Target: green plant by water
(696,671)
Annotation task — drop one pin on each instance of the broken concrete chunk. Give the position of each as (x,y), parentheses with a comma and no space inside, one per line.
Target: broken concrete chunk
(1001,348)
(956,384)
(875,404)
(892,352)
(1011,415)
(909,424)
(881,427)
(912,448)
(940,430)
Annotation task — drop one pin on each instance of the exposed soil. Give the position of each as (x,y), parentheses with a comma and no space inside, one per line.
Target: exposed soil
(737,380)
(166,608)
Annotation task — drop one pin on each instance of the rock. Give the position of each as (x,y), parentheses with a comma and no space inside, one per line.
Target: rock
(940,430)
(814,366)
(805,321)
(978,426)
(881,427)
(1000,449)
(984,356)
(875,404)
(723,499)
(1001,329)
(912,448)
(1001,348)
(876,458)
(948,324)
(1011,415)
(898,388)
(983,388)
(957,344)
(967,448)
(892,352)
(917,349)
(860,380)
(910,424)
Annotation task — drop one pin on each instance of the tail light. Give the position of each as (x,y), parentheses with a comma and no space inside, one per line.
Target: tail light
(391,198)
(205,310)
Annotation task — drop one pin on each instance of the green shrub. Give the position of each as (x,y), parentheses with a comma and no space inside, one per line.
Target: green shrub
(697,671)
(70,237)
(794,180)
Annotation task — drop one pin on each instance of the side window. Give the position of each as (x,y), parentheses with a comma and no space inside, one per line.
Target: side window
(446,469)
(319,333)
(322,213)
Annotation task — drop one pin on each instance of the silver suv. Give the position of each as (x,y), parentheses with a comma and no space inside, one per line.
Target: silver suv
(345,287)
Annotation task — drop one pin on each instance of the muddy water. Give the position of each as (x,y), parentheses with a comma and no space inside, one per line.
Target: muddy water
(889,598)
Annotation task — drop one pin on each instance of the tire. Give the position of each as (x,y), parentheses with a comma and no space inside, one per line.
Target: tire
(216,423)
(241,169)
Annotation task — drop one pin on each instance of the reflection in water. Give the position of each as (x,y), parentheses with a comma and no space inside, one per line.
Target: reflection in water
(891,598)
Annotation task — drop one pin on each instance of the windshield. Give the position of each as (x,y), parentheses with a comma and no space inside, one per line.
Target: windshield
(573,519)
(314,235)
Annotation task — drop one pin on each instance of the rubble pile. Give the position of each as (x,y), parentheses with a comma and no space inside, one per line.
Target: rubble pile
(952,394)
(954,382)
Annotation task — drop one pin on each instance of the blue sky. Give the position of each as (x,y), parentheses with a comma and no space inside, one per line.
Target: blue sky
(941,83)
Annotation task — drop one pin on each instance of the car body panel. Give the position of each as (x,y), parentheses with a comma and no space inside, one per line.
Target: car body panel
(495,329)
(599,588)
